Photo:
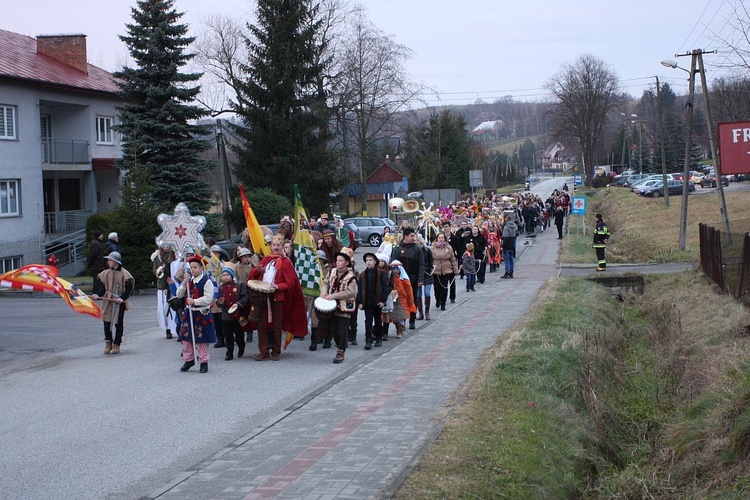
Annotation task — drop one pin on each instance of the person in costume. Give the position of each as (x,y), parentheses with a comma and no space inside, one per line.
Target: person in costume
(340,285)
(403,303)
(216,261)
(287,304)
(161,263)
(372,294)
(115,286)
(199,292)
(231,293)
(331,245)
(318,335)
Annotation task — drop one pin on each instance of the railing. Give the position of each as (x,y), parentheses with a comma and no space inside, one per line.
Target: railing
(65,151)
(726,261)
(65,222)
(68,249)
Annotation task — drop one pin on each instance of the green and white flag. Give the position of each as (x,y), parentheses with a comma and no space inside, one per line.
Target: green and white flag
(307,266)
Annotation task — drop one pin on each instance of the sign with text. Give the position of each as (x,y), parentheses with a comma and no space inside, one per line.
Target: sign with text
(734,147)
(578,206)
(578,179)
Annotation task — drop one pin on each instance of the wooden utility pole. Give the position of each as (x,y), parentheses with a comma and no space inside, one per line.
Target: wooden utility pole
(225,178)
(688,140)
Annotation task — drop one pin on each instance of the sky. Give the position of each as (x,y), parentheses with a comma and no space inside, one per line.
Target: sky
(463,50)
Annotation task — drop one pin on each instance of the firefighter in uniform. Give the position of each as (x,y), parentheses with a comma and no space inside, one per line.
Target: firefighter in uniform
(601,235)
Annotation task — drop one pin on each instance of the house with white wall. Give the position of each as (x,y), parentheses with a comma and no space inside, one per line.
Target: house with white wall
(57,148)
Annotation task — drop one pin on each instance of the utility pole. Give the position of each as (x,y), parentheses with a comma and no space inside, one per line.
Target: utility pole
(225,177)
(661,142)
(688,140)
(712,142)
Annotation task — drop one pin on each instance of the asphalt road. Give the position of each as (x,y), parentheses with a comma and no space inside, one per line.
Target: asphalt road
(78,424)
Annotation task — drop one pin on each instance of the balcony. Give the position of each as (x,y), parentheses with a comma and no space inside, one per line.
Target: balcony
(65,152)
(57,224)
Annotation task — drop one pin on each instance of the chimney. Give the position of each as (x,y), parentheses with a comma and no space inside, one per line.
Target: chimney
(69,49)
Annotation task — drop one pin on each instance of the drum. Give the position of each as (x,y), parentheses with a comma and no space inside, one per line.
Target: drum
(258,292)
(239,315)
(324,308)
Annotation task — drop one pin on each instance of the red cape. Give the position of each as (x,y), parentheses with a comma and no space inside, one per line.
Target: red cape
(295,312)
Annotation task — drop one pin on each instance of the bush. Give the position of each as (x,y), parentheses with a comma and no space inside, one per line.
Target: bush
(137,230)
(602,180)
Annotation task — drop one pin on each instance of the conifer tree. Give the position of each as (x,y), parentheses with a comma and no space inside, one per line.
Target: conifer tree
(161,144)
(282,104)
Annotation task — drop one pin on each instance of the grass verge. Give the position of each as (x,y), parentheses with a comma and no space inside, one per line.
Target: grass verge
(648,398)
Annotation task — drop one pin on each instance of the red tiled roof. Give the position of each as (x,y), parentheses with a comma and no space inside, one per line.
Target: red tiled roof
(19,60)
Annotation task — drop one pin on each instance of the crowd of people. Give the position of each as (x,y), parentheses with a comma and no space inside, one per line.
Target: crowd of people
(211,297)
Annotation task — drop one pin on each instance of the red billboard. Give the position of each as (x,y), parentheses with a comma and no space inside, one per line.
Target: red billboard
(734,147)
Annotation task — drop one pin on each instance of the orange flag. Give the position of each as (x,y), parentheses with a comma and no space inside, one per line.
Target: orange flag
(253,228)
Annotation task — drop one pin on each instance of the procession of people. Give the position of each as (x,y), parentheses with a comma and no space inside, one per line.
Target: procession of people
(207,297)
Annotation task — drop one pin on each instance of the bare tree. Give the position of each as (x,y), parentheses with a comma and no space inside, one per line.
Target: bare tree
(371,88)
(585,92)
(736,43)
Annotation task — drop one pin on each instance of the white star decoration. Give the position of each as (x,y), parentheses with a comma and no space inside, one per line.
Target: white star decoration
(181,230)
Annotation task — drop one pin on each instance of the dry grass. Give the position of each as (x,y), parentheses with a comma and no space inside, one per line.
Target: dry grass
(645,231)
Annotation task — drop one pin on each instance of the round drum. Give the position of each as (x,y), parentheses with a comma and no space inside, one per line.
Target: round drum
(258,292)
(240,316)
(324,308)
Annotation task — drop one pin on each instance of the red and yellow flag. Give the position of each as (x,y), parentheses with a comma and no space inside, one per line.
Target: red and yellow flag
(41,278)
(257,238)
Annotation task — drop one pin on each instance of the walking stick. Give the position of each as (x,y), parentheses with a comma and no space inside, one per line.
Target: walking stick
(190,313)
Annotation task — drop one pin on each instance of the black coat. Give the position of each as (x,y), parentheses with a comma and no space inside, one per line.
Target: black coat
(96,257)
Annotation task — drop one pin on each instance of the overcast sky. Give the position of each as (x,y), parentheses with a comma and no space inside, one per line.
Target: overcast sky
(466,50)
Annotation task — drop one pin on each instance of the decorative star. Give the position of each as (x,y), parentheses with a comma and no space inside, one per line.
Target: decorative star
(181,230)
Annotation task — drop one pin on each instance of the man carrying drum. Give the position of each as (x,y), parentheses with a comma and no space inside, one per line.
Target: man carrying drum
(340,285)
(284,309)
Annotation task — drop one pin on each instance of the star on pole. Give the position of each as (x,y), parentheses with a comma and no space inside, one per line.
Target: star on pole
(181,230)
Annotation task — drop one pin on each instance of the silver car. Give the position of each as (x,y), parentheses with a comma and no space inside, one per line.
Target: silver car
(371,229)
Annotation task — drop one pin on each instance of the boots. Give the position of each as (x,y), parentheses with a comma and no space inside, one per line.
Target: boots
(427,301)
(313,340)
(116,349)
(169,334)
(188,365)
(204,368)
(339,356)
(399,330)
(420,316)
(107,347)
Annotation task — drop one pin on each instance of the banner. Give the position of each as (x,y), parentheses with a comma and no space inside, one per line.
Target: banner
(307,266)
(41,278)
(257,239)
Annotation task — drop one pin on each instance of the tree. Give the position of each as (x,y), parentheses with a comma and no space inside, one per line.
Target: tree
(585,92)
(369,90)
(736,40)
(161,148)
(441,153)
(283,140)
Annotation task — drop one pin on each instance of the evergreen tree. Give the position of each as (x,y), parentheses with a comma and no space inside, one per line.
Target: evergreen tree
(285,131)
(443,155)
(161,148)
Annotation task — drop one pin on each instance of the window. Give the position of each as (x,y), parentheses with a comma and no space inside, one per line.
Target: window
(104,130)
(9,191)
(7,122)
(8,264)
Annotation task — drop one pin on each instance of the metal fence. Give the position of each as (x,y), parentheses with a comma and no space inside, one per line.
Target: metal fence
(726,258)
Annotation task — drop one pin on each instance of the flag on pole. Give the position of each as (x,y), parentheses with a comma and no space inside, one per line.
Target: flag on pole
(41,278)
(253,228)
(307,266)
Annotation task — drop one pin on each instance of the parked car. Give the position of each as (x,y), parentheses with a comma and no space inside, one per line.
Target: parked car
(697,177)
(710,181)
(632,179)
(620,182)
(637,188)
(674,187)
(371,229)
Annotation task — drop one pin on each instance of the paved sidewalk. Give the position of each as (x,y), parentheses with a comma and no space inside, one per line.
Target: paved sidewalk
(360,436)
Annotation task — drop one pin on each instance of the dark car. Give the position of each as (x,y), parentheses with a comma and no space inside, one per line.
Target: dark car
(674,188)
(620,182)
(710,181)
(371,229)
